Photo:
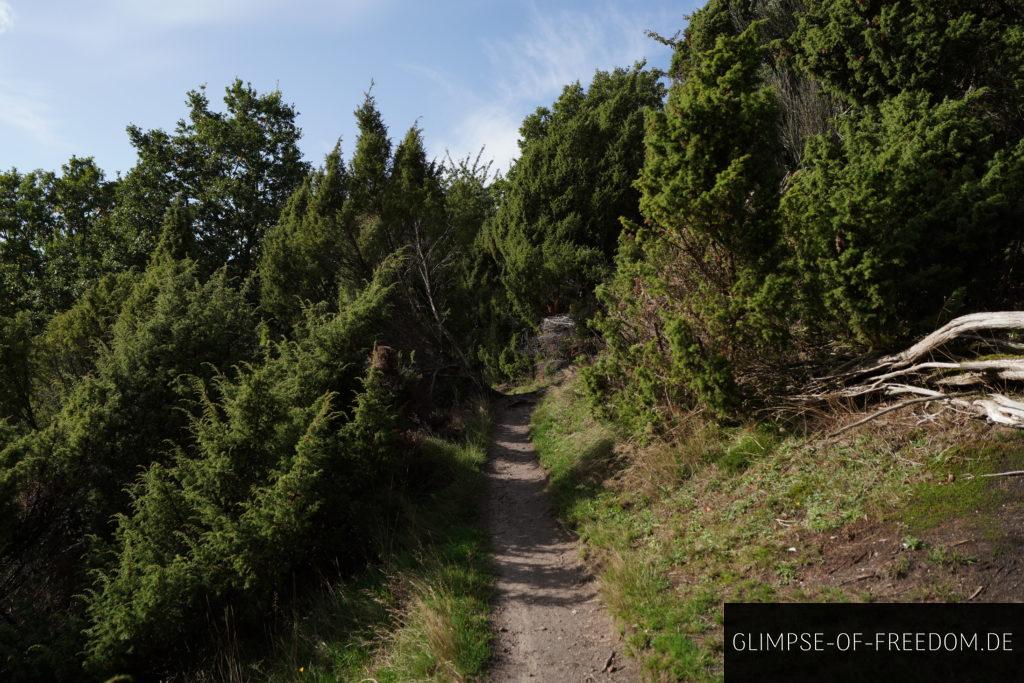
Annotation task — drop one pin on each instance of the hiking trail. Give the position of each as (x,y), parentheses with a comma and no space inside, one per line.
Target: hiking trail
(548,620)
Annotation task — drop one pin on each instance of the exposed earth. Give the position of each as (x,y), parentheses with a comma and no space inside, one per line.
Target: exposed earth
(549,622)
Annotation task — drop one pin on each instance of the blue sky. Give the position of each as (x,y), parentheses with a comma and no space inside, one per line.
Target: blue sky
(73,74)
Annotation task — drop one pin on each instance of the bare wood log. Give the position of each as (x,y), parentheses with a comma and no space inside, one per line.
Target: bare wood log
(896,389)
(958,327)
(1012,346)
(965,379)
(966,326)
(889,376)
(992,365)
(1002,410)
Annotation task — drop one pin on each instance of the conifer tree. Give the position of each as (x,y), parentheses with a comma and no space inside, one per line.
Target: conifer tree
(556,227)
(369,175)
(703,271)
(311,251)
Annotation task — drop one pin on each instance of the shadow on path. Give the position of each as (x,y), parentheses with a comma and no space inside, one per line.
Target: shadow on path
(548,620)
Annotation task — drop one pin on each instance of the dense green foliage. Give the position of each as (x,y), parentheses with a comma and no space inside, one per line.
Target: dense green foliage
(783,228)
(906,218)
(191,422)
(219,373)
(55,235)
(558,213)
(235,169)
(423,616)
(556,227)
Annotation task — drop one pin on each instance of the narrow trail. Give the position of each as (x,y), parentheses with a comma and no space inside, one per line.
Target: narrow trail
(549,623)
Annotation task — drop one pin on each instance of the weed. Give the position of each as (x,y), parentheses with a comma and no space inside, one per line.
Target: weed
(900,567)
(746,447)
(786,571)
(912,543)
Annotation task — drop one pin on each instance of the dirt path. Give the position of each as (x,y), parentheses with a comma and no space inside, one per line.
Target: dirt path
(549,623)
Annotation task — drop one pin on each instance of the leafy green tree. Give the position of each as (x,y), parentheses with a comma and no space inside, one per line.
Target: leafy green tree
(77,247)
(16,369)
(25,222)
(54,233)
(781,227)
(346,221)
(235,169)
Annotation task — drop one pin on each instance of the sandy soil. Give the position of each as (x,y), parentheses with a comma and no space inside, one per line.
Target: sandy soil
(548,620)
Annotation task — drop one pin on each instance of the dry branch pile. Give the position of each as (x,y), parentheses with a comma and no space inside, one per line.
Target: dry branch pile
(938,369)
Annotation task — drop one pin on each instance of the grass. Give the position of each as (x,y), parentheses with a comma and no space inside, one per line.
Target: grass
(422,614)
(950,492)
(744,514)
(575,450)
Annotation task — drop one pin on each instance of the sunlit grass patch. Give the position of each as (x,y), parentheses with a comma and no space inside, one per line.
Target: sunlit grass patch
(422,614)
(743,513)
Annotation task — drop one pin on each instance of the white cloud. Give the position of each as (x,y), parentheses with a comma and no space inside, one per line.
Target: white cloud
(493,128)
(555,50)
(6,16)
(26,113)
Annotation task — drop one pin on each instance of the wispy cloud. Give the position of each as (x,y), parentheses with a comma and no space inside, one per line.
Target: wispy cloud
(26,113)
(6,16)
(567,46)
(531,69)
(151,30)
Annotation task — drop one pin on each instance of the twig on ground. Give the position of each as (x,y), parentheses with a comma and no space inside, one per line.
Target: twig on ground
(887,409)
(1010,473)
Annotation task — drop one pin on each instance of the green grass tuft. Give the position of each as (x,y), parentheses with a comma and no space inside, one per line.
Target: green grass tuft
(422,614)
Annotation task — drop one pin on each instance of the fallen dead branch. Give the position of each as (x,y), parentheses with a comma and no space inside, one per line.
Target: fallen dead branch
(1010,473)
(887,409)
(973,386)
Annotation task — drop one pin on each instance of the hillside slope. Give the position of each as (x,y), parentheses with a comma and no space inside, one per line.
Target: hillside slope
(893,512)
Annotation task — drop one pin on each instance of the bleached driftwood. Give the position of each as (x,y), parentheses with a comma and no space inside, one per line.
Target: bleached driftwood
(1002,410)
(958,327)
(964,384)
